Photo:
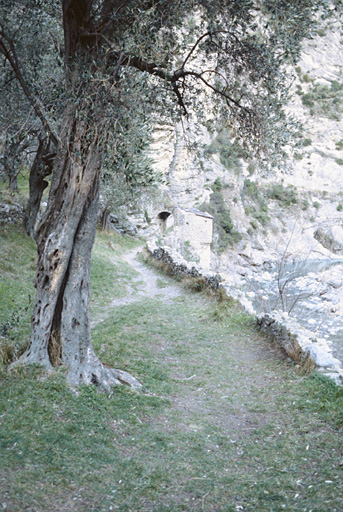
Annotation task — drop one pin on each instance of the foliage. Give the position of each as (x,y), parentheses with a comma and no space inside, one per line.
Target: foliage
(325,101)
(237,51)
(286,195)
(259,209)
(34,78)
(230,152)
(225,233)
(217,185)
(127,168)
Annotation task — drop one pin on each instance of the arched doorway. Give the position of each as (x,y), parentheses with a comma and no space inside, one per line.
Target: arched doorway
(162,217)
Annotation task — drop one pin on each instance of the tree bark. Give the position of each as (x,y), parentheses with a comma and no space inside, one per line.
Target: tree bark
(37,184)
(60,330)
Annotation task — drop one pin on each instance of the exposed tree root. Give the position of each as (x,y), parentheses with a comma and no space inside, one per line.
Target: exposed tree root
(102,377)
(90,372)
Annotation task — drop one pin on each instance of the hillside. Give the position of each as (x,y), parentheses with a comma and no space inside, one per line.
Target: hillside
(299,201)
(266,224)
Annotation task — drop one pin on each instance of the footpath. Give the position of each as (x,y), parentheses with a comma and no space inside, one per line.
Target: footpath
(224,421)
(241,429)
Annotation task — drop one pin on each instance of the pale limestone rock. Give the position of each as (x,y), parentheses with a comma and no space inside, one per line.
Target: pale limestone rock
(192,235)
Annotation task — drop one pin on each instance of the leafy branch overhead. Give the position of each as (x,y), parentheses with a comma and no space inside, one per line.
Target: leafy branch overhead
(235,50)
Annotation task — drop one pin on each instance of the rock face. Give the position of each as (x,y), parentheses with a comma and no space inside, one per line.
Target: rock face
(289,215)
(268,217)
(331,238)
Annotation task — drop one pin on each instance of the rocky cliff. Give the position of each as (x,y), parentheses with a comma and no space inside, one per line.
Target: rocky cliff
(298,209)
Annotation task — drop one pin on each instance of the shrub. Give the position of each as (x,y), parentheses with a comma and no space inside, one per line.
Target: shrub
(325,101)
(230,153)
(286,195)
(339,207)
(307,100)
(298,156)
(336,86)
(223,224)
(217,185)
(260,210)
(251,168)
(305,205)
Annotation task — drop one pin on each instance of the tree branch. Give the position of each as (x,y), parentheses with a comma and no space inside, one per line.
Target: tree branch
(156,70)
(11,56)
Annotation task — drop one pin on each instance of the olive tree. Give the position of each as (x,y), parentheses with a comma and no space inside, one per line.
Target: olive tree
(236,50)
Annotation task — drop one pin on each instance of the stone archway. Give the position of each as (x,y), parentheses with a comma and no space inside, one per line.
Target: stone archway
(162,218)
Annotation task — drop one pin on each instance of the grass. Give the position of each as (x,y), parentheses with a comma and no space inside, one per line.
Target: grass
(17,264)
(110,274)
(223,422)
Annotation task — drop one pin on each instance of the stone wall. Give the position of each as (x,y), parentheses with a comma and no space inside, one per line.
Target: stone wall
(11,213)
(295,341)
(178,267)
(299,344)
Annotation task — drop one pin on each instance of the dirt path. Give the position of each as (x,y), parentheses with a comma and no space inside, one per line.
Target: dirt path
(147,282)
(236,431)
(223,422)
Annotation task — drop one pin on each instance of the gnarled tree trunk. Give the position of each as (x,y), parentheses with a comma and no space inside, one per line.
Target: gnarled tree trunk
(38,172)
(60,331)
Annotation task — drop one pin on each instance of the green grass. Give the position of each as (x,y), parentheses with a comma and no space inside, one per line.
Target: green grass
(223,422)
(110,274)
(17,266)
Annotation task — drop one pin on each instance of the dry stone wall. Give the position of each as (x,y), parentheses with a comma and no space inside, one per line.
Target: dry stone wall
(295,341)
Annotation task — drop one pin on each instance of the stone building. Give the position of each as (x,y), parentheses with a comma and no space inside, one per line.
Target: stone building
(189,232)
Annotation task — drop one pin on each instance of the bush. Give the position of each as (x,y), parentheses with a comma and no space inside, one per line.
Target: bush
(217,185)
(223,224)
(260,210)
(325,101)
(250,188)
(230,153)
(307,100)
(286,195)
(298,156)
(307,142)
